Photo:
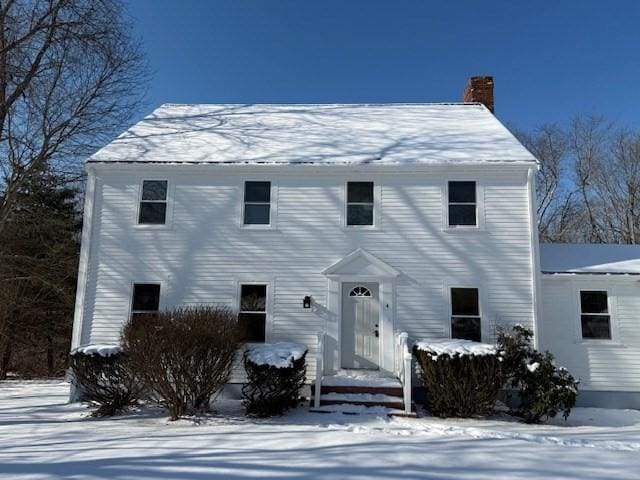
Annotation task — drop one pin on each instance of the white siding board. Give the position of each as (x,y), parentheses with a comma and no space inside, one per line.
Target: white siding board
(204,250)
(600,365)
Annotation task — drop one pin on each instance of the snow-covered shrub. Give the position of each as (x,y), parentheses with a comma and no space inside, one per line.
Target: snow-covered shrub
(544,390)
(104,378)
(275,375)
(184,355)
(462,378)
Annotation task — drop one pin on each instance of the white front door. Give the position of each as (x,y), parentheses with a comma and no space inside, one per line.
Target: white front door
(360,339)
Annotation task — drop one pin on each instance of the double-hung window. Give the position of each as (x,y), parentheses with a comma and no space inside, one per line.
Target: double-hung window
(359,203)
(153,202)
(145,299)
(257,203)
(595,317)
(465,314)
(253,312)
(463,208)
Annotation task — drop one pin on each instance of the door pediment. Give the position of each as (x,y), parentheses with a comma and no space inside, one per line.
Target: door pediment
(361,263)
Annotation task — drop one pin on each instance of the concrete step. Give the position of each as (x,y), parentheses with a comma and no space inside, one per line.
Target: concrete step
(391,391)
(365,399)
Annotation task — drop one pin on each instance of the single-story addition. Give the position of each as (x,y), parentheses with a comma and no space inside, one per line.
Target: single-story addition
(353,229)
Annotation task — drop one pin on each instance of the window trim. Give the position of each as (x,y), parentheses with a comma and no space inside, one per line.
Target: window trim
(610,312)
(481,314)
(480,223)
(273,210)
(377,204)
(145,282)
(169,202)
(268,322)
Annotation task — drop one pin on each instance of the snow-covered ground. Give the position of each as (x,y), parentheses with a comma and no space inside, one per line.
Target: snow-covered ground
(41,436)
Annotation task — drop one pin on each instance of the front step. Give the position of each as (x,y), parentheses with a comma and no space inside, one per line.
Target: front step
(355,389)
(364,399)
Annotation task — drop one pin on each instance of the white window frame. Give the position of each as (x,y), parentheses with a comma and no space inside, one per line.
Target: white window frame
(273,211)
(610,309)
(169,204)
(449,298)
(145,282)
(480,221)
(268,326)
(377,205)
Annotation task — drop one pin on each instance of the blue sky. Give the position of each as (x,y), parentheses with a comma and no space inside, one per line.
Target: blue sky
(550,59)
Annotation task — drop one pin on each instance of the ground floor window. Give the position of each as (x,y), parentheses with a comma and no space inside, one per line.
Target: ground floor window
(253,311)
(465,314)
(145,299)
(594,314)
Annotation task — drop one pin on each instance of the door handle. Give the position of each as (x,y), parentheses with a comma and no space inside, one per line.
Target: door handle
(376,333)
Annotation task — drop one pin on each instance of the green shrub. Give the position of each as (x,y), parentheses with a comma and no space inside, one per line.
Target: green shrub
(104,379)
(275,375)
(184,355)
(462,378)
(544,390)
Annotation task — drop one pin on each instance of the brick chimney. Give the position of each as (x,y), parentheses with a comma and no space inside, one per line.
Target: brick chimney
(480,89)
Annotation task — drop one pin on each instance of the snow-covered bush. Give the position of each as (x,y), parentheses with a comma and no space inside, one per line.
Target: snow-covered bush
(275,375)
(462,378)
(104,378)
(184,355)
(544,390)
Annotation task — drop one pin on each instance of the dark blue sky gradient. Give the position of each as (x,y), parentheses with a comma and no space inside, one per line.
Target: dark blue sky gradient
(551,59)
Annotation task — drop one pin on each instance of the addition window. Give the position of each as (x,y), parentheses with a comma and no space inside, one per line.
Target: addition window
(594,314)
(465,314)
(253,312)
(153,202)
(462,204)
(145,299)
(257,203)
(359,203)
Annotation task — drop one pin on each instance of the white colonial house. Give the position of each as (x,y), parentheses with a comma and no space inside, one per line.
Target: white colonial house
(354,229)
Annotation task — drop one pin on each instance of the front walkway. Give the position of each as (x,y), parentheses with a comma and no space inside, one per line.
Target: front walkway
(42,437)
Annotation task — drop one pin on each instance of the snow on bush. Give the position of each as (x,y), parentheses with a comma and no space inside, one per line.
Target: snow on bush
(543,389)
(462,378)
(105,379)
(455,347)
(280,355)
(103,350)
(275,375)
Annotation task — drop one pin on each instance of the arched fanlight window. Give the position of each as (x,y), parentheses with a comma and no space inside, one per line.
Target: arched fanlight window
(360,292)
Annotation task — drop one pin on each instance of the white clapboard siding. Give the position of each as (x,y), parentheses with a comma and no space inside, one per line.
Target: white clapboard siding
(610,365)
(203,252)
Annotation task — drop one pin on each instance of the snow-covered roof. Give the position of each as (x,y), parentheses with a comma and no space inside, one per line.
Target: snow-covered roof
(571,258)
(357,134)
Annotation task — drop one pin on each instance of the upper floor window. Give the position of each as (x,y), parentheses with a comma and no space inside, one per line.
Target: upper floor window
(594,314)
(257,203)
(462,204)
(145,299)
(360,203)
(153,202)
(465,314)
(253,312)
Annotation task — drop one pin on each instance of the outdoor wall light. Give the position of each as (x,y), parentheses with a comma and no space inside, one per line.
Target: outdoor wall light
(306,301)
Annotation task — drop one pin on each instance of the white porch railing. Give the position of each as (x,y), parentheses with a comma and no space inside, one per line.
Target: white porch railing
(403,367)
(319,369)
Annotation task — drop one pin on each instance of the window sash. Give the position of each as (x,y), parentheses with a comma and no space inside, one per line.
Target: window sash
(138,312)
(478,338)
(450,186)
(150,220)
(351,204)
(247,212)
(252,331)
